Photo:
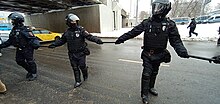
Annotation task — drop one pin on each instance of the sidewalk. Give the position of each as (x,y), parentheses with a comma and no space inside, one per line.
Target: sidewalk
(206,32)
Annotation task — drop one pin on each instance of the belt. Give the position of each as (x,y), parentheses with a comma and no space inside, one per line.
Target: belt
(77,50)
(154,51)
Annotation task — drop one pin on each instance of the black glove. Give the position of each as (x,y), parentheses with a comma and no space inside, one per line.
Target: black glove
(217,59)
(184,55)
(99,41)
(119,41)
(51,46)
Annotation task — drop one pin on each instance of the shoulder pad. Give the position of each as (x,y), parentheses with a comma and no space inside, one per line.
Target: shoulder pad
(80,27)
(27,28)
(172,23)
(146,20)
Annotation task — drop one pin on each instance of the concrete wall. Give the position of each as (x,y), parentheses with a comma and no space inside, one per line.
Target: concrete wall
(95,18)
(106,19)
(55,21)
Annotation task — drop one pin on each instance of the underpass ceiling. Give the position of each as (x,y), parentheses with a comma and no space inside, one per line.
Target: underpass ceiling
(42,6)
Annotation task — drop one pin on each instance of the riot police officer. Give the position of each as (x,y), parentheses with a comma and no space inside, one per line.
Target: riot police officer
(218,41)
(158,29)
(192,27)
(22,38)
(75,37)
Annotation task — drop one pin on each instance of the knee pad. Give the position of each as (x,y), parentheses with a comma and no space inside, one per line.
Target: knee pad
(82,67)
(154,73)
(75,68)
(21,63)
(30,62)
(145,76)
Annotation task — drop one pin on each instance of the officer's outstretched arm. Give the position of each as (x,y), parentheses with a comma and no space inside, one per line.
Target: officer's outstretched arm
(176,42)
(6,43)
(137,30)
(90,37)
(59,42)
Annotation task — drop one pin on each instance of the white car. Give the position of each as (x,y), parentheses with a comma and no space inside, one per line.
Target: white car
(4,35)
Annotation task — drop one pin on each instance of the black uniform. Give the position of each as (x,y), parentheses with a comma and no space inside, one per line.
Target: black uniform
(192,27)
(77,50)
(21,37)
(156,35)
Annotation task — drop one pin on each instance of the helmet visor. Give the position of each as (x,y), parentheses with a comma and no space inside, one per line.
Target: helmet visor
(11,20)
(158,8)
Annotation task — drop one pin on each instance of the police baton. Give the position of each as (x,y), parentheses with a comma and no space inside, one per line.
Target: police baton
(108,42)
(203,58)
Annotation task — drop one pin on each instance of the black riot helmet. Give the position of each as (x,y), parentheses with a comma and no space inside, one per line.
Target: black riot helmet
(16,19)
(161,7)
(72,20)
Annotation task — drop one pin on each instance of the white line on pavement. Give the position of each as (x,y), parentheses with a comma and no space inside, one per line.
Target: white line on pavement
(132,61)
(140,62)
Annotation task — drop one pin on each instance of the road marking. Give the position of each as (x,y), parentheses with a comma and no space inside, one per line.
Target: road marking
(39,49)
(140,62)
(131,61)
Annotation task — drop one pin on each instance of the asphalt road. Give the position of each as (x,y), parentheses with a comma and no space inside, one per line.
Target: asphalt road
(114,77)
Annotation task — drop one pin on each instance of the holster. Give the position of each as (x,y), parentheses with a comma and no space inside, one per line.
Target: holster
(86,51)
(167,56)
(163,56)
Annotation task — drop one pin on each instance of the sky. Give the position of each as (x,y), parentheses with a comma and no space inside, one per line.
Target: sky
(144,5)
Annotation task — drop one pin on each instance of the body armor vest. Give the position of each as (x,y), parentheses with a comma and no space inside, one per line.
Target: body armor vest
(18,38)
(156,35)
(75,40)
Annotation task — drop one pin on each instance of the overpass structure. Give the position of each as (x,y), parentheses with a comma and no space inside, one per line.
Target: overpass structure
(42,6)
(95,15)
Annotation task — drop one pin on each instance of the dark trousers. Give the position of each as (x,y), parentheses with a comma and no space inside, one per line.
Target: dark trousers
(78,61)
(191,30)
(149,74)
(24,58)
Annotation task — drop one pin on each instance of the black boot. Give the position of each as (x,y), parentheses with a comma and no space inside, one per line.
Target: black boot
(32,77)
(153,91)
(145,99)
(77,84)
(77,76)
(28,75)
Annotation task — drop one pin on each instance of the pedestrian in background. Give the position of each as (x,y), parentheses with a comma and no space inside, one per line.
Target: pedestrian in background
(158,29)
(218,41)
(75,37)
(25,42)
(192,27)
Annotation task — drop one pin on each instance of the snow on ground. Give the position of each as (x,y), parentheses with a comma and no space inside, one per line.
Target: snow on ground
(206,32)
